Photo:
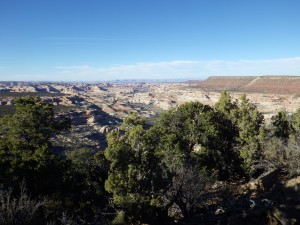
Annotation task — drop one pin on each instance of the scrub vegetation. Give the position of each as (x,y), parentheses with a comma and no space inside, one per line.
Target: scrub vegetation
(185,168)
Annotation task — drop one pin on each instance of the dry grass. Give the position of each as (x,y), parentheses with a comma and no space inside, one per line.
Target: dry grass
(21,209)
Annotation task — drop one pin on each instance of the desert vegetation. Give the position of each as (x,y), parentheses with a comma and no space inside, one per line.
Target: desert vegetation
(195,164)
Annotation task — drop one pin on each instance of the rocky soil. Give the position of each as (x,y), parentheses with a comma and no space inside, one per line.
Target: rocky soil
(270,199)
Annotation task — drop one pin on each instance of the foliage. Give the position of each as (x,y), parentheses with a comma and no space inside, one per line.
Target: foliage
(295,122)
(250,123)
(132,120)
(187,191)
(156,175)
(135,176)
(86,171)
(32,125)
(74,182)
(7,110)
(228,107)
(283,154)
(25,143)
(199,132)
(119,219)
(248,128)
(151,170)
(20,210)
(282,126)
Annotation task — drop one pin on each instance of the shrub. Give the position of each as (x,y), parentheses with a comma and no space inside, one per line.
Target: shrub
(19,210)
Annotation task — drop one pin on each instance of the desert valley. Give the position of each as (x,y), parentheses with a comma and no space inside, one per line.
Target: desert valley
(96,108)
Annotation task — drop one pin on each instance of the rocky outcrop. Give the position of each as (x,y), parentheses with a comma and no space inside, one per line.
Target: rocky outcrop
(293,184)
(271,199)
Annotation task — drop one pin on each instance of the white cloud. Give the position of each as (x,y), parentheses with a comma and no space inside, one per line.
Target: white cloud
(182,69)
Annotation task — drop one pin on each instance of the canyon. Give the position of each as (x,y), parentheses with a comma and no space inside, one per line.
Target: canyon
(96,108)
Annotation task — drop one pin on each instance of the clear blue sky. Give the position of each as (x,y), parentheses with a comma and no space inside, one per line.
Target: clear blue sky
(123,39)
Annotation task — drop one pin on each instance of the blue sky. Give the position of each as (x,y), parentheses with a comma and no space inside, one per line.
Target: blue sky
(92,40)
